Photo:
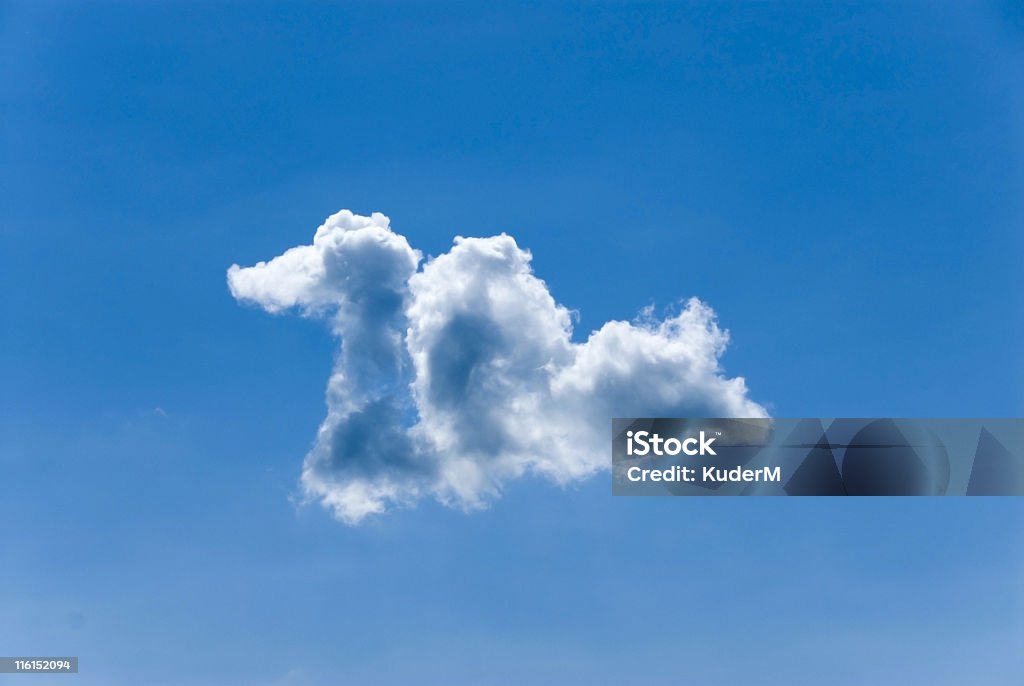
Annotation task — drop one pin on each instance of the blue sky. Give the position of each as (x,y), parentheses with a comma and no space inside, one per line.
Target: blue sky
(841,184)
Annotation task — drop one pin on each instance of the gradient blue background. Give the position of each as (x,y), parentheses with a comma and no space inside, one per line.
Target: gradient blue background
(842,183)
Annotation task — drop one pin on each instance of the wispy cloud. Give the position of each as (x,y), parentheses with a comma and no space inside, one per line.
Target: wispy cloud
(459,374)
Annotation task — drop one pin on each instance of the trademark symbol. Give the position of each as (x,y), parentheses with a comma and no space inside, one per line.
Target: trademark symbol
(718,433)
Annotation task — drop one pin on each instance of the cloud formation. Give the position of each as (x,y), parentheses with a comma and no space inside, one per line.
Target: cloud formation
(459,374)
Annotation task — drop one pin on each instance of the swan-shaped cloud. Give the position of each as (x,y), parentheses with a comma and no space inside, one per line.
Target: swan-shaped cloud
(459,374)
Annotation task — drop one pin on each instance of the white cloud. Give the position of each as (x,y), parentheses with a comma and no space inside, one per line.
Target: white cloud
(462,375)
